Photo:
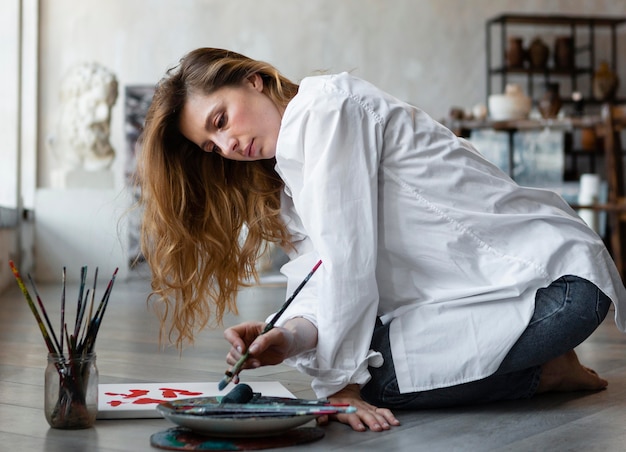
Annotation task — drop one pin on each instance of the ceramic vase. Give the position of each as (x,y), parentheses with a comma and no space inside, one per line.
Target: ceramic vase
(564,52)
(515,53)
(588,139)
(513,104)
(605,83)
(538,54)
(550,103)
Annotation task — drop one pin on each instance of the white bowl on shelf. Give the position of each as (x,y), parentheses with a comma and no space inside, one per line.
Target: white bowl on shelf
(511,105)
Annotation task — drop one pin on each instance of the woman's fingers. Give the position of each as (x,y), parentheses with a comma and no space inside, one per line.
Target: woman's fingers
(367,416)
(322,420)
(240,338)
(244,333)
(264,349)
(381,417)
(388,415)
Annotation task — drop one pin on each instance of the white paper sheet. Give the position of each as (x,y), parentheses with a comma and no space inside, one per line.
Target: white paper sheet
(139,400)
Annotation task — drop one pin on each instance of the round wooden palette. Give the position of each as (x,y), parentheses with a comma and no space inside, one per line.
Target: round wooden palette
(180,438)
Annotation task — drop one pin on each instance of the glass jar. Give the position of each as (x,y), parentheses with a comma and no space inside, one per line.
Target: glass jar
(71,391)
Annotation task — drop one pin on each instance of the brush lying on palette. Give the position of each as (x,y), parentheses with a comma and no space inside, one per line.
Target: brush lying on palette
(71,375)
(242,402)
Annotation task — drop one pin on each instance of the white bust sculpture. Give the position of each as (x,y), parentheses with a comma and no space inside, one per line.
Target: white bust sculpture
(88,92)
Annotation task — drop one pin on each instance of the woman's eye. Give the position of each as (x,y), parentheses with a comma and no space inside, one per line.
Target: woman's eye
(211,147)
(220,122)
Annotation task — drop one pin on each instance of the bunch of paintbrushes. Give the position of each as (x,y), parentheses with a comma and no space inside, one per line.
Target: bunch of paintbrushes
(82,339)
(73,345)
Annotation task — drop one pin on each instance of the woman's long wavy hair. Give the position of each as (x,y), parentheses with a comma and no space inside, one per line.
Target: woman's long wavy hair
(206,219)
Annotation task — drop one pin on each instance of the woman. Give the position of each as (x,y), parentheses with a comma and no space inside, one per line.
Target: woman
(443,282)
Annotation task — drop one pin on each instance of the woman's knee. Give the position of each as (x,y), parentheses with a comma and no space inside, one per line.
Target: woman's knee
(566,314)
(572,298)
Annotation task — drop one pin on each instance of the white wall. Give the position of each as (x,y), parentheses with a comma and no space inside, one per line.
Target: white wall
(428,52)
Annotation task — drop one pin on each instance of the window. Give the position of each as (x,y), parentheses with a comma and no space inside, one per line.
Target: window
(9,107)
(18,109)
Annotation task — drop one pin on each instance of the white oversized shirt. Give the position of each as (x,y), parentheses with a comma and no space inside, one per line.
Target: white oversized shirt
(415,226)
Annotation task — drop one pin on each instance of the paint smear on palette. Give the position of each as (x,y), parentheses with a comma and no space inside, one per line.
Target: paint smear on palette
(139,400)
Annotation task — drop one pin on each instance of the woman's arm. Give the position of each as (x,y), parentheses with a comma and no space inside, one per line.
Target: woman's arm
(298,335)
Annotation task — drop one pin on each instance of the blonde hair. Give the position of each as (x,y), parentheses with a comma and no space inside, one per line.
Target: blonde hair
(196,205)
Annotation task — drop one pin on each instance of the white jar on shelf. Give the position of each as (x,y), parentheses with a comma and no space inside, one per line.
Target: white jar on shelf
(511,105)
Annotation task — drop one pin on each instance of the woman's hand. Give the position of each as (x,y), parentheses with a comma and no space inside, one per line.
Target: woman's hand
(366,416)
(270,348)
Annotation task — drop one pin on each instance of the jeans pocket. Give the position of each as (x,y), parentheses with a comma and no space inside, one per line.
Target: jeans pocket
(551,300)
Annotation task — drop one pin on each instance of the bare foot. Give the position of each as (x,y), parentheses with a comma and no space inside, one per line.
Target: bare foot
(565,374)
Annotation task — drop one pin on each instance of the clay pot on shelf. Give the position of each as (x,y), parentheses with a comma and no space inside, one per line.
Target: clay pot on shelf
(538,54)
(605,82)
(515,53)
(564,52)
(588,139)
(550,103)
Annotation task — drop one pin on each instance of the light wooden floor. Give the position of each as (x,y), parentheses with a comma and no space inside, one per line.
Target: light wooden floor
(128,352)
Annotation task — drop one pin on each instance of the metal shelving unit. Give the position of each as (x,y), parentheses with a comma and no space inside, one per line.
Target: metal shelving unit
(582,29)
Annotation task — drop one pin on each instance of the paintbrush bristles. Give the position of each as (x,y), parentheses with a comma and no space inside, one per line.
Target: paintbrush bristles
(29,300)
(86,327)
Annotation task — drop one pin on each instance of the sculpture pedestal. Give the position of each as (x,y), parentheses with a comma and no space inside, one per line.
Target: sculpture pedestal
(79,178)
(80,226)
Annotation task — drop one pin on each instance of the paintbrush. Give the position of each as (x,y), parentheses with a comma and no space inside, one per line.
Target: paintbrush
(44,332)
(62,309)
(229,375)
(254,409)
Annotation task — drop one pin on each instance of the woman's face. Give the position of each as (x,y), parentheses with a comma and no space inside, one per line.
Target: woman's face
(237,122)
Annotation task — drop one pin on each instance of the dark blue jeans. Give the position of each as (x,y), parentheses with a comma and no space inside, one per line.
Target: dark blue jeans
(566,313)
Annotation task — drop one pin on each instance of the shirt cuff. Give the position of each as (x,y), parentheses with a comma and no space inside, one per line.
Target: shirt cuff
(330,381)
